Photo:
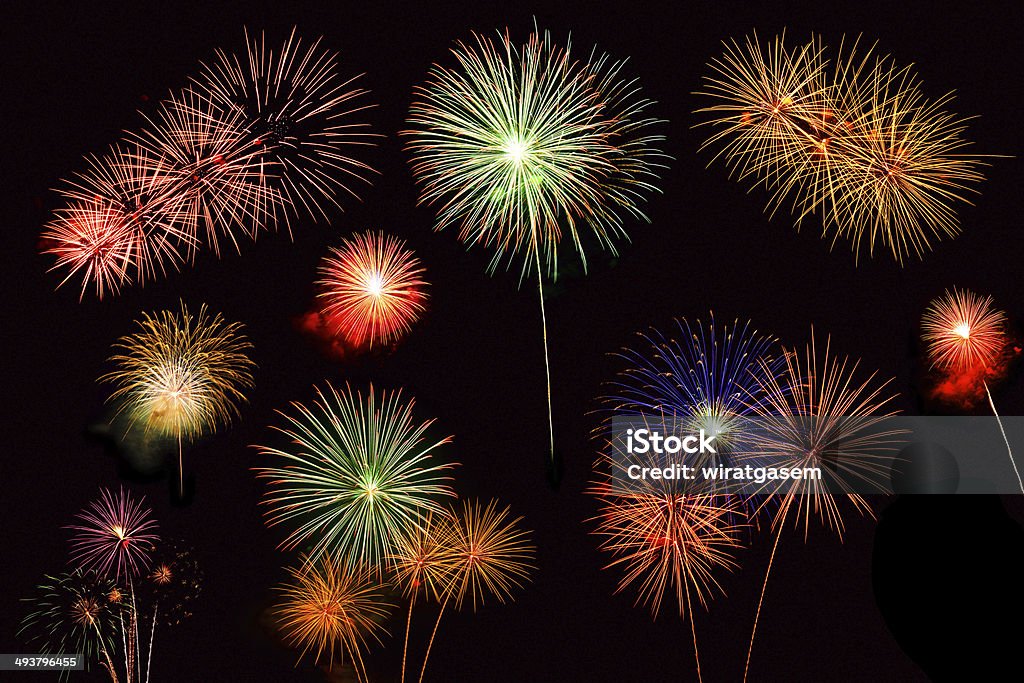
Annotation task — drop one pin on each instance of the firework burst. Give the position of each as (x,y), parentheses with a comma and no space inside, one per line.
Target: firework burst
(819,414)
(331,607)
(115,536)
(856,143)
(304,116)
(359,479)
(371,289)
(93,243)
(77,612)
(524,147)
(181,375)
(962,330)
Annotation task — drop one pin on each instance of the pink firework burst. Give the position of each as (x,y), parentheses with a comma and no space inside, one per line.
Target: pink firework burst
(115,537)
(372,289)
(92,242)
(963,330)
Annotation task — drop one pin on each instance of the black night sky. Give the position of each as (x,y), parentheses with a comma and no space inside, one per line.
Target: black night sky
(74,78)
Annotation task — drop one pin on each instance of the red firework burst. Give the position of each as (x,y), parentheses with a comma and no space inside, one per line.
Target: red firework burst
(92,242)
(116,536)
(963,330)
(372,289)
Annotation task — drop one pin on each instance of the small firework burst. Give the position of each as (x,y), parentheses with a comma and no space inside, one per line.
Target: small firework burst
(359,478)
(423,561)
(115,537)
(489,554)
(371,289)
(77,612)
(963,330)
(93,243)
(181,375)
(304,115)
(332,608)
(851,139)
(172,584)
(669,541)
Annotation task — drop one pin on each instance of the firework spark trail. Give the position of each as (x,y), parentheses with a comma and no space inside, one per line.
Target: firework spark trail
(181,375)
(330,605)
(853,139)
(818,413)
(525,146)
(358,479)
(372,289)
(115,537)
(962,331)
(304,114)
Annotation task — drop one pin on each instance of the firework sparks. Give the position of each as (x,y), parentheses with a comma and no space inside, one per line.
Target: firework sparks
(180,374)
(962,329)
(523,147)
(332,607)
(819,414)
(115,537)
(859,145)
(360,478)
(304,115)
(75,613)
(93,243)
(372,289)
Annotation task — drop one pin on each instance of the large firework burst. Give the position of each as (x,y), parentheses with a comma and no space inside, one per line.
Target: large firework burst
(525,146)
(332,607)
(115,537)
(359,478)
(303,113)
(76,612)
(181,375)
(853,140)
(962,330)
(819,413)
(371,289)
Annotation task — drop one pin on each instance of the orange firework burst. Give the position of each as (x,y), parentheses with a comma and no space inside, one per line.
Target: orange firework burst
(372,289)
(332,607)
(962,330)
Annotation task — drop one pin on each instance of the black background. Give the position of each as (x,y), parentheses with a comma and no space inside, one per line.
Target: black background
(73,79)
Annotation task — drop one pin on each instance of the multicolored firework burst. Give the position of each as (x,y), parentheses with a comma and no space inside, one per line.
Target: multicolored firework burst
(360,479)
(858,144)
(332,607)
(181,375)
(76,612)
(115,537)
(371,289)
(524,145)
(304,115)
(819,414)
(962,330)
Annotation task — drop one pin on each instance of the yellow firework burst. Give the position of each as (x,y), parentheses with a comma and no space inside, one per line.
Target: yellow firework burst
(333,608)
(181,375)
(852,139)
